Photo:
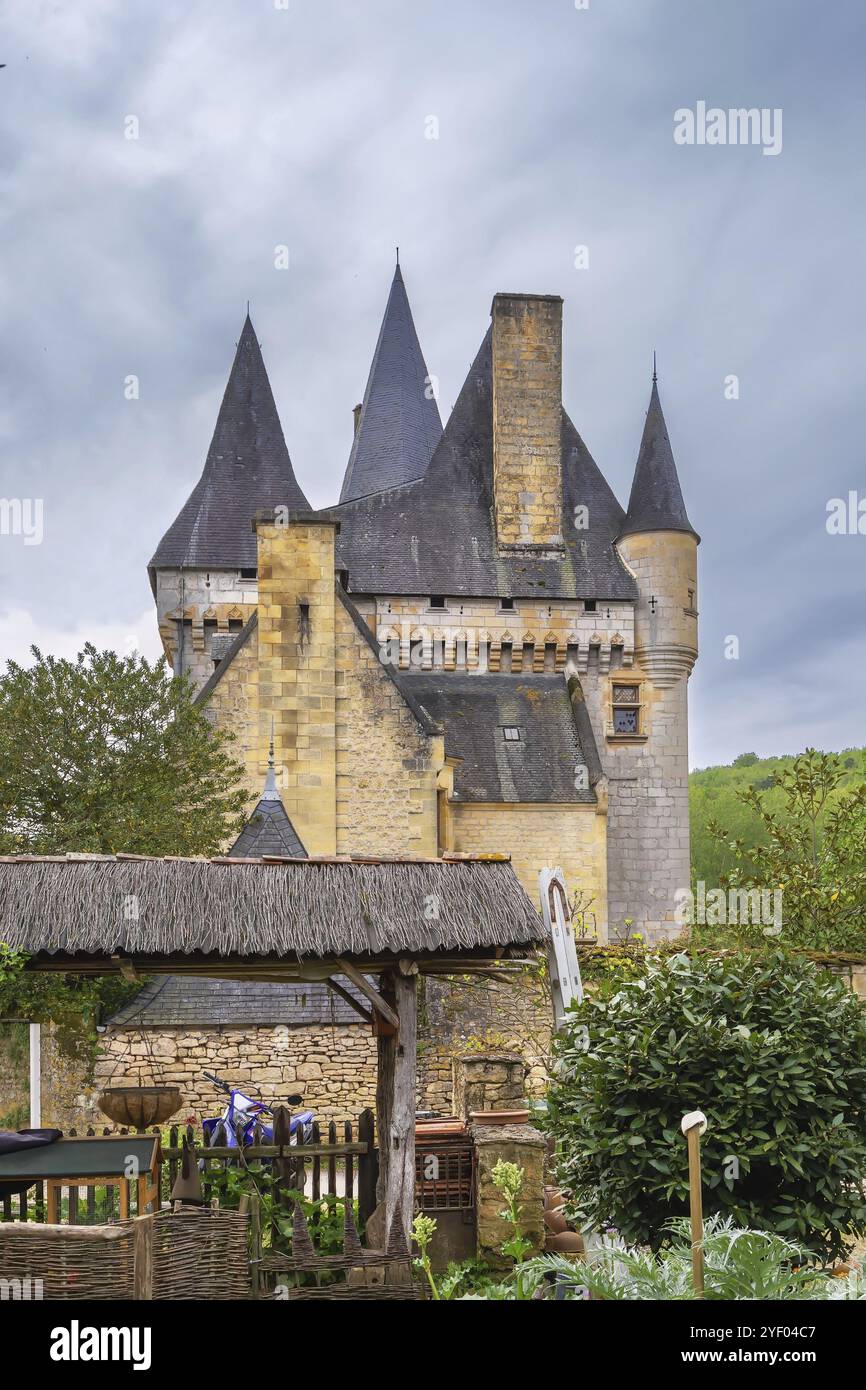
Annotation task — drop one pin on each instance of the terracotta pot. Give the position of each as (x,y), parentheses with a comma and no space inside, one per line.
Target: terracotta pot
(565,1243)
(555,1221)
(499,1117)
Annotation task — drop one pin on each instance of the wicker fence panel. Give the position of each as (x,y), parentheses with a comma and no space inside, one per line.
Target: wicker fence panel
(66,1262)
(195,1254)
(201,1254)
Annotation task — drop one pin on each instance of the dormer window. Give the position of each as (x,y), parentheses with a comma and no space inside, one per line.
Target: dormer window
(511,733)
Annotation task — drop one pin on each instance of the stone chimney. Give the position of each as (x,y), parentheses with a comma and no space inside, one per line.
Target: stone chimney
(527,419)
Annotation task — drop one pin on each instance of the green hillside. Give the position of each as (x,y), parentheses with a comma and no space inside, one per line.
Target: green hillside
(713,796)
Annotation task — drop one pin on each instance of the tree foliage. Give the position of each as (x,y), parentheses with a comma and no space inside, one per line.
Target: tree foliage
(772,1050)
(108,754)
(715,797)
(811,847)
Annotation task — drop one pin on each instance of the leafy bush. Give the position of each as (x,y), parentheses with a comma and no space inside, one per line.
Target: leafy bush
(738,1264)
(773,1051)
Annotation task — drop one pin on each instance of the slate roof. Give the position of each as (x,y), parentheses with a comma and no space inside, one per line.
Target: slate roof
(656,501)
(437,535)
(399,426)
(474,709)
(247,468)
(182,1001)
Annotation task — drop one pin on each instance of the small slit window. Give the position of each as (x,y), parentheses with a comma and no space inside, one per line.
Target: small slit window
(507,604)
(249,573)
(589,605)
(511,733)
(437,600)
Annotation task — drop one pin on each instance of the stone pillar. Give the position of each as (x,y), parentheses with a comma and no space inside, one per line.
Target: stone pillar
(527,419)
(523,1145)
(488,1081)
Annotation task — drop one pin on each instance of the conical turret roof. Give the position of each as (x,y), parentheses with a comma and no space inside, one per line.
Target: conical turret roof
(656,501)
(247,468)
(268,831)
(399,425)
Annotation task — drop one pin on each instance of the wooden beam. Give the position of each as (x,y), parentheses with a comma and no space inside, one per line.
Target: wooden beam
(363,984)
(348,998)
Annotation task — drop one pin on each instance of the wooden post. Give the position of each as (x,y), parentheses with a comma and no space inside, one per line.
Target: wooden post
(142,1257)
(250,1205)
(386,1054)
(400,1176)
(693,1126)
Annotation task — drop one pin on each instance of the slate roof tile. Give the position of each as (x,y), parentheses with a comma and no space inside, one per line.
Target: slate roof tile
(437,535)
(247,468)
(399,425)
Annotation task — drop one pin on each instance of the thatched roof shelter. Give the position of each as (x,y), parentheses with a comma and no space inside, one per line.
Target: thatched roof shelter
(80,911)
(336,920)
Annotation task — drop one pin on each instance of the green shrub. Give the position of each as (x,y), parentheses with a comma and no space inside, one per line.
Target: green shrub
(773,1050)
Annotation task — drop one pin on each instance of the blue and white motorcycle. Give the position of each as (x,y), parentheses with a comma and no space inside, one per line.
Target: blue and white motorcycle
(244,1120)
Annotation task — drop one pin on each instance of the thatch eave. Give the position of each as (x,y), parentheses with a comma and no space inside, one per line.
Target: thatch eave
(160,913)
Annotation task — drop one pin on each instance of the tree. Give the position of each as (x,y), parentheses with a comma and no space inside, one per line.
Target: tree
(809,844)
(771,1049)
(108,754)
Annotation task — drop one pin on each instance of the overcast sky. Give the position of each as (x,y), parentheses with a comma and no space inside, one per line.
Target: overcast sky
(307,126)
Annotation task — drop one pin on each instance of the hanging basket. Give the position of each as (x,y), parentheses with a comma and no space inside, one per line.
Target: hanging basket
(139,1106)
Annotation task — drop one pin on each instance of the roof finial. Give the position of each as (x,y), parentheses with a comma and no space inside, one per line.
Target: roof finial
(655,373)
(398,255)
(270,793)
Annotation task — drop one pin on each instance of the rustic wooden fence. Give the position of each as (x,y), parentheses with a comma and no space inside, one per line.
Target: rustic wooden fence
(341,1164)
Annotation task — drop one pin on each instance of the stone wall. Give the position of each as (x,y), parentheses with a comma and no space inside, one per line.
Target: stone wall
(572,837)
(387,765)
(481,1016)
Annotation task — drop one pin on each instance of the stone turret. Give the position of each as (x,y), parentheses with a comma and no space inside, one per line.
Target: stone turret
(203,573)
(659,544)
(647,730)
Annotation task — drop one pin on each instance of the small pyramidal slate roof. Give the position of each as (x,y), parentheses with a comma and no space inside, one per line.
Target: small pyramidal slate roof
(399,425)
(247,468)
(268,832)
(656,501)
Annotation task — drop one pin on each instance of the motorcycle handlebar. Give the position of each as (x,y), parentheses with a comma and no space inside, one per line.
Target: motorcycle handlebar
(217,1081)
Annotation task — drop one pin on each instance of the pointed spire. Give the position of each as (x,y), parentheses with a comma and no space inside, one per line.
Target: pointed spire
(400,425)
(247,468)
(656,501)
(268,832)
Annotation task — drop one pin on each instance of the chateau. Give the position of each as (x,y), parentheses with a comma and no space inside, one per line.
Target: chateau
(476,649)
